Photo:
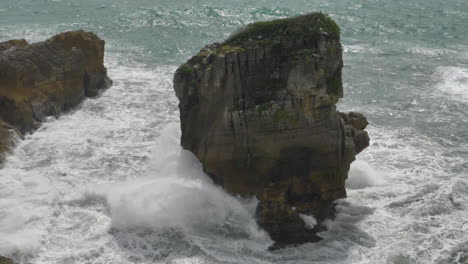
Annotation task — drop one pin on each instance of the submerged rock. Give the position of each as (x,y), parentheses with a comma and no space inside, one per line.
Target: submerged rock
(46,78)
(259,112)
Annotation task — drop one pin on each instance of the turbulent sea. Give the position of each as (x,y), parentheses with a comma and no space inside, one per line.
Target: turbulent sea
(108,182)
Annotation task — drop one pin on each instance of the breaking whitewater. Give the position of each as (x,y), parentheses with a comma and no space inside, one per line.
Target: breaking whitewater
(109,182)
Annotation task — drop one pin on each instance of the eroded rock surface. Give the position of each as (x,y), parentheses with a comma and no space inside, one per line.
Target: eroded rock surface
(259,112)
(4,260)
(46,78)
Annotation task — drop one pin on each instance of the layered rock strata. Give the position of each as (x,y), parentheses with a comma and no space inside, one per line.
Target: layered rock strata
(259,112)
(46,78)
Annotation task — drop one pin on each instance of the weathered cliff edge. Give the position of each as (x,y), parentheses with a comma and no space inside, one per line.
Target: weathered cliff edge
(46,78)
(259,112)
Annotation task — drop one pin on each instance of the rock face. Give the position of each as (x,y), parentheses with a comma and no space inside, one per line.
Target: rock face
(46,78)
(259,112)
(5,260)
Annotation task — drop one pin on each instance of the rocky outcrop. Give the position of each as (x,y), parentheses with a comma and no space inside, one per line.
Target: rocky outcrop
(7,138)
(259,112)
(46,78)
(4,260)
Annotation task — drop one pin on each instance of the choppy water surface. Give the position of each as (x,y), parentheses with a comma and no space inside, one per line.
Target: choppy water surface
(108,183)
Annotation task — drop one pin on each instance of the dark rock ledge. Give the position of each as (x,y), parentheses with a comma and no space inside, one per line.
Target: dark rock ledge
(259,112)
(46,78)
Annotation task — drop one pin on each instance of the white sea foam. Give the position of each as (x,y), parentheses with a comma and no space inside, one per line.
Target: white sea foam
(100,142)
(361,48)
(427,51)
(110,184)
(309,220)
(175,193)
(363,175)
(107,184)
(453,81)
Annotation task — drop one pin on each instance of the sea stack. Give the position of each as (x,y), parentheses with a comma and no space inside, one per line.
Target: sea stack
(46,78)
(258,110)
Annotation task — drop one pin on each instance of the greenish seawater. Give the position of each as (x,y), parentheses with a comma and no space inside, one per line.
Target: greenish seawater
(109,184)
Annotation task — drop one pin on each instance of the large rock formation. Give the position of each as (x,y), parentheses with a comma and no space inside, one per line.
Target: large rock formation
(46,78)
(259,112)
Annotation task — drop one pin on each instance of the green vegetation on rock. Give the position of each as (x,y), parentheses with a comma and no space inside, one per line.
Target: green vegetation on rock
(310,24)
(186,69)
(263,108)
(225,49)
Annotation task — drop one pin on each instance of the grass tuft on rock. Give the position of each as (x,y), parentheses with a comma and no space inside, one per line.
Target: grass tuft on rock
(310,24)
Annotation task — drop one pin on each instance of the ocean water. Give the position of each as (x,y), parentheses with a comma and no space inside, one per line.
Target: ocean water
(108,182)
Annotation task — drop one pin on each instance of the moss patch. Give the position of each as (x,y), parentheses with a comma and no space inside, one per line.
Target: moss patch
(263,108)
(204,53)
(310,24)
(186,69)
(13,43)
(225,49)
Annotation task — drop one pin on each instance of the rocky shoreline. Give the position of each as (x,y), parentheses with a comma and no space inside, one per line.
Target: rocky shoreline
(259,111)
(45,79)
